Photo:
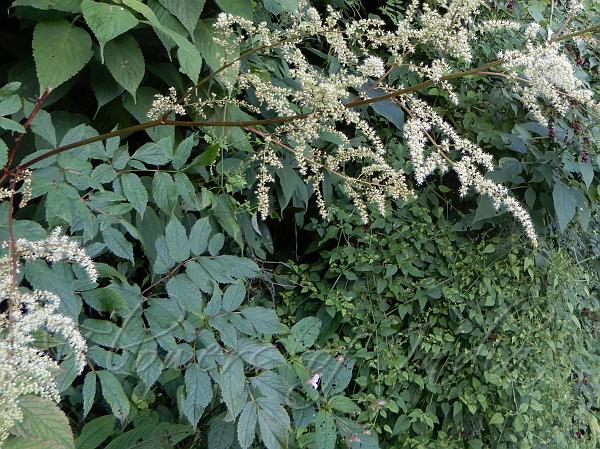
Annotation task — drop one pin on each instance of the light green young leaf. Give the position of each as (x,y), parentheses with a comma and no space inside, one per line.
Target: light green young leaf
(125,62)
(107,21)
(177,240)
(60,50)
(114,394)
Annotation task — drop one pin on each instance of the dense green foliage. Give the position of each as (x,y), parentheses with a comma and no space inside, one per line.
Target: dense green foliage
(436,326)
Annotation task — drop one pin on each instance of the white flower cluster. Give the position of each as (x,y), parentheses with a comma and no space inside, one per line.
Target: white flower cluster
(163,105)
(429,156)
(25,369)
(25,177)
(546,74)
(325,133)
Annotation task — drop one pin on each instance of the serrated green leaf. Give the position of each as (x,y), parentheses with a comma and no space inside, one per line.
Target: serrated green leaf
(3,153)
(44,426)
(221,433)
(107,21)
(199,393)
(215,244)
(232,381)
(274,423)
(88,392)
(154,153)
(233,297)
(135,192)
(183,151)
(117,244)
(497,419)
(95,432)
(186,293)
(114,394)
(177,240)
(259,355)
(125,62)
(148,365)
(199,235)
(343,404)
(164,191)
(246,428)
(265,321)
(187,11)
(60,50)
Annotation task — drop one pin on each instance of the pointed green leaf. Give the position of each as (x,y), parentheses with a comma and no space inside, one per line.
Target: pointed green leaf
(199,393)
(325,430)
(44,426)
(246,428)
(114,394)
(95,432)
(135,192)
(233,296)
(177,240)
(187,11)
(89,392)
(232,381)
(274,423)
(118,244)
(60,50)
(125,62)
(199,235)
(564,204)
(107,21)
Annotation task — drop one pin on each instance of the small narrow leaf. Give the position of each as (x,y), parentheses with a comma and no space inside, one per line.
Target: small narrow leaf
(114,394)
(199,393)
(246,428)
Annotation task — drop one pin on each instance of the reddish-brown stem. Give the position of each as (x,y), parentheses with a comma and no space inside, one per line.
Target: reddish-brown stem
(19,138)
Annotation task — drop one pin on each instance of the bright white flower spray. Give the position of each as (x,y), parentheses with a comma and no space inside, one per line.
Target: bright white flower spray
(313,108)
(25,369)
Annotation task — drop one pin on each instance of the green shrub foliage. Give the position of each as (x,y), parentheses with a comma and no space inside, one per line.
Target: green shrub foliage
(270,196)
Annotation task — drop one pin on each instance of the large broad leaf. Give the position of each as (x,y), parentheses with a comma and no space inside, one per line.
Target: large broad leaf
(44,426)
(187,11)
(60,50)
(564,204)
(125,62)
(107,21)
